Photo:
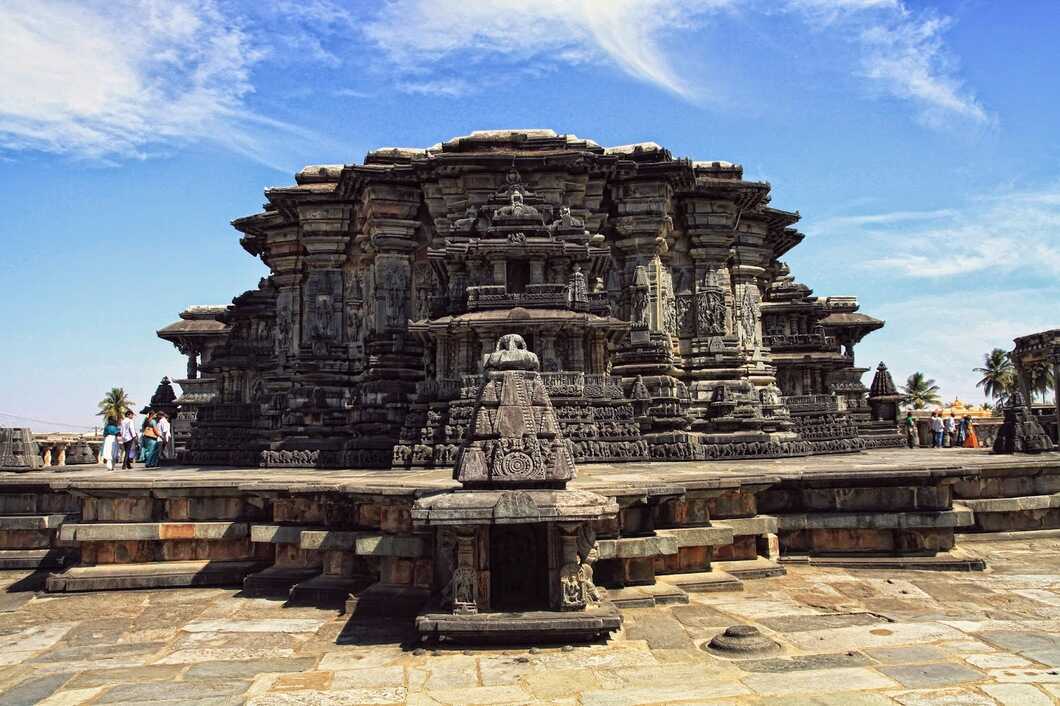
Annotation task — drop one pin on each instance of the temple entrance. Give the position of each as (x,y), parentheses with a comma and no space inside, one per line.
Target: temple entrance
(518,567)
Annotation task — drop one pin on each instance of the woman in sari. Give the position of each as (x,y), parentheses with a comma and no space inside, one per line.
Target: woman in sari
(151,448)
(970,439)
(110,443)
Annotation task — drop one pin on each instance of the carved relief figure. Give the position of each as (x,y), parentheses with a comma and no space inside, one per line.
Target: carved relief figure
(748,315)
(640,300)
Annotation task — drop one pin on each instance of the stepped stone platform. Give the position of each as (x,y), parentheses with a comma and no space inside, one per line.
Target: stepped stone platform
(347,539)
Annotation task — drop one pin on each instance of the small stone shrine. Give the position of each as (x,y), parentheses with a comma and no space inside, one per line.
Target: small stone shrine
(1020,432)
(651,287)
(18,450)
(514,548)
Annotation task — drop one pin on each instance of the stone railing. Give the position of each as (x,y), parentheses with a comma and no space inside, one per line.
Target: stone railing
(536,296)
(799,341)
(811,403)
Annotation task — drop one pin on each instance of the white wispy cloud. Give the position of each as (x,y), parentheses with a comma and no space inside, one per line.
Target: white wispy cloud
(416,33)
(126,78)
(945,335)
(1004,231)
(899,50)
(440,87)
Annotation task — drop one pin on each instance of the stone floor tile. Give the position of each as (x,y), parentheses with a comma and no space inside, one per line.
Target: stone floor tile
(1025,676)
(375,676)
(71,697)
(225,654)
(330,698)
(1018,695)
(451,672)
(182,691)
(1050,657)
(804,623)
(33,690)
(1018,641)
(996,660)
(246,669)
(842,698)
(944,697)
(128,675)
(357,659)
(869,636)
(263,625)
(660,631)
(663,693)
(800,663)
(38,637)
(930,676)
(293,682)
(909,654)
(816,681)
(554,684)
(509,694)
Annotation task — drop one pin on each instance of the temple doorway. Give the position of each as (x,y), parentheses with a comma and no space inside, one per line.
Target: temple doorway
(519,567)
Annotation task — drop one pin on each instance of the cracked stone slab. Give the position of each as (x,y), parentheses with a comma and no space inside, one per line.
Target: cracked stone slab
(288,625)
(806,623)
(929,676)
(805,662)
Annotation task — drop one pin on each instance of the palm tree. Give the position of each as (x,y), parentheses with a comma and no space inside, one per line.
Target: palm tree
(999,375)
(920,391)
(115,404)
(1039,379)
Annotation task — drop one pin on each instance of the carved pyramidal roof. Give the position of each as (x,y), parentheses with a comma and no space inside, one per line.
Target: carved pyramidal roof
(882,383)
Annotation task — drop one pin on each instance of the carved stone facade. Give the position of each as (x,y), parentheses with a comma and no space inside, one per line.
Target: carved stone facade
(642,282)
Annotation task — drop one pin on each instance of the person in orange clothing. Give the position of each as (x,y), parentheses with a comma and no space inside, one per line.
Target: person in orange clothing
(970,439)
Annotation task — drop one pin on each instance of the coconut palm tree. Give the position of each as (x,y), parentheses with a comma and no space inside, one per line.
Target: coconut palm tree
(999,375)
(115,404)
(920,391)
(1039,379)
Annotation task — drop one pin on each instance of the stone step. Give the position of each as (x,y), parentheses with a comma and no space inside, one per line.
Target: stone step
(660,593)
(743,526)
(636,547)
(153,531)
(277,534)
(554,627)
(327,591)
(1014,536)
(32,558)
(163,574)
(1015,504)
(364,543)
(33,522)
(957,517)
(382,599)
(717,536)
(745,569)
(943,561)
(276,581)
(703,581)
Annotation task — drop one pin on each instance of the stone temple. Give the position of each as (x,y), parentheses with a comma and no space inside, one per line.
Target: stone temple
(651,288)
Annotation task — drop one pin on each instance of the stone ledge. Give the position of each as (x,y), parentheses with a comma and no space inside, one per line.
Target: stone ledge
(32,522)
(153,531)
(741,527)
(1016,504)
(166,574)
(661,593)
(716,536)
(744,569)
(364,543)
(276,534)
(944,561)
(31,558)
(276,580)
(636,547)
(703,581)
(957,517)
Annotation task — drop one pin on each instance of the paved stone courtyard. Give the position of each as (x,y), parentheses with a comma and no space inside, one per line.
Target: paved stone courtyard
(867,637)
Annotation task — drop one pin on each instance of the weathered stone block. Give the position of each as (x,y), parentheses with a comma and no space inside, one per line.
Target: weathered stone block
(732,503)
(742,548)
(632,547)
(126,509)
(306,510)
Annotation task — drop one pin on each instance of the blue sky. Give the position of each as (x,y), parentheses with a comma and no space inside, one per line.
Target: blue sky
(918,141)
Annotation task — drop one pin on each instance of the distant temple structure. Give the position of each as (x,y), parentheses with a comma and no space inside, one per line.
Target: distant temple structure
(651,288)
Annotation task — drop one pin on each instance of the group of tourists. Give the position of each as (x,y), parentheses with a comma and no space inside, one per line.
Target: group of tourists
(151,444)
(946,432)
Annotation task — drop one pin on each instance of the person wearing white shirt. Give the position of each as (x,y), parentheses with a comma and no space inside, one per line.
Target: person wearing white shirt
(937,430)
(127,437)
(165,437)
(950,428)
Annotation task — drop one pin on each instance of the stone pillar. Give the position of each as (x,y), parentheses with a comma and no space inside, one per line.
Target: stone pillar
(1056,392)
(62,455)
(537,271)
(441,362)
(47,455)
(465,575)
(486,344)
(571,590)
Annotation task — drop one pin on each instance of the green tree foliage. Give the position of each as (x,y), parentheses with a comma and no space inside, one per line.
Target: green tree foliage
(115,404)
(920,391)
(998,375)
